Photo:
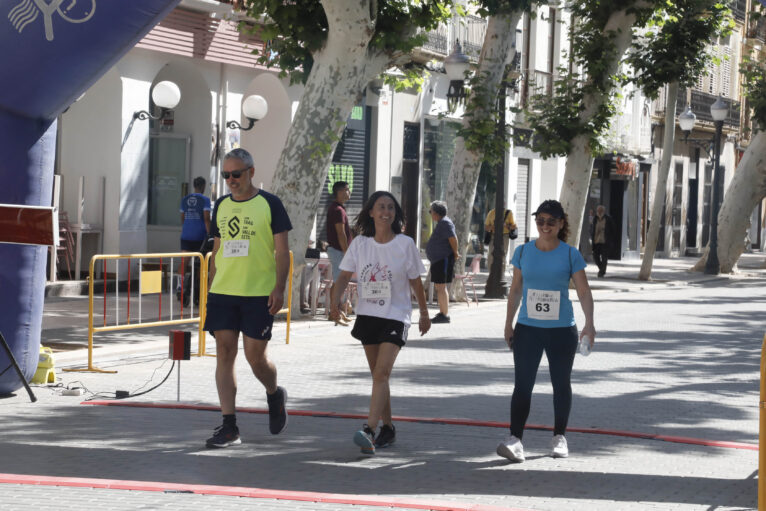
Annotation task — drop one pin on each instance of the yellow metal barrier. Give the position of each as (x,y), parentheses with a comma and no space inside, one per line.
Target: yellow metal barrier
(128,326)
(203,310)
(762,433)
(152,283)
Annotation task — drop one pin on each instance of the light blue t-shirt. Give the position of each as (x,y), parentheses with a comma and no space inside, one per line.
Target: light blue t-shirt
(546,284)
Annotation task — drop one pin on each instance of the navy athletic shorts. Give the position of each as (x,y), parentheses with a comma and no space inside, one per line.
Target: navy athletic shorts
(443,271)
(246,314)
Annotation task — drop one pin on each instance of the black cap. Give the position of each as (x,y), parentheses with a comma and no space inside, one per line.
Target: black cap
(551,207)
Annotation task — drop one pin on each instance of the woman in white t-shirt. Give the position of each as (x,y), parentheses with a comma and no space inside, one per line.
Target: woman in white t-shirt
(387,264)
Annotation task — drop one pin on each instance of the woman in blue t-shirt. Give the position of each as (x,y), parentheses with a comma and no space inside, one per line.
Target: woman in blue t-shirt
(541,272)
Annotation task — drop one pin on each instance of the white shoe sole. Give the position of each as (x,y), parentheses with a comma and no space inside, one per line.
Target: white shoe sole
(505,452)
(559,455)
(225,444)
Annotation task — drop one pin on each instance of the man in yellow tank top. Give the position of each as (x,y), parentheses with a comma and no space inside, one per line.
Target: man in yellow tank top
(248,273)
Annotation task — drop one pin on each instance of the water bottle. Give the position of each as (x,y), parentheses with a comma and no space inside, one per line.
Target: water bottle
(584,346)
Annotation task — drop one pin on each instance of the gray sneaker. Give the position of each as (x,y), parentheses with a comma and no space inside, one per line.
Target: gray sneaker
(365,439)
(440,318)
(224,436)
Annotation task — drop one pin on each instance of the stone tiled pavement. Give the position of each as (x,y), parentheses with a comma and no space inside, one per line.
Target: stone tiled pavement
(676,356)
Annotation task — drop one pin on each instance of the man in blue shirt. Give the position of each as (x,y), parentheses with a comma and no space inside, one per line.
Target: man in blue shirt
(195,221)
(195,217)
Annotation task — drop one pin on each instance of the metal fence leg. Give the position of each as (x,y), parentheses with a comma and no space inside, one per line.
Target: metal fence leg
(16,367)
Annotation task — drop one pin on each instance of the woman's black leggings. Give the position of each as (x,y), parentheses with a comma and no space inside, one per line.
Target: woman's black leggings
(560,346)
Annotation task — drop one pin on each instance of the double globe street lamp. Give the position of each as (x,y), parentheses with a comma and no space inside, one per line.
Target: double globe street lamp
(718,111)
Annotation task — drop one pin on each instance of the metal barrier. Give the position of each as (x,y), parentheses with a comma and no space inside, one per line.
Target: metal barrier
(203,338)
(150,282)
(762,433)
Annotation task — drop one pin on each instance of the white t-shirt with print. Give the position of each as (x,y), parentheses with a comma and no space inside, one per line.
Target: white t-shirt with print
(383,273)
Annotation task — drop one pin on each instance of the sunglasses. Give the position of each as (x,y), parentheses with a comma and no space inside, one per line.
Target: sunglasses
(234,173)
(550,221)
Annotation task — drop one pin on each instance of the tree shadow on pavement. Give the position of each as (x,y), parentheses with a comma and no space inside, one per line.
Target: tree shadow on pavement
(316,454)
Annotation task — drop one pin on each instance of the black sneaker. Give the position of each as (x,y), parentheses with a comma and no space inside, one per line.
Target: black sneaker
(440,318)
(365,438)
(277,411)
(386,437)
(224,436)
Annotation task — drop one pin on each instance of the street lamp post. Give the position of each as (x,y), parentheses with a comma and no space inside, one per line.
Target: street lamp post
(456,65)
(718,110)
(497,285)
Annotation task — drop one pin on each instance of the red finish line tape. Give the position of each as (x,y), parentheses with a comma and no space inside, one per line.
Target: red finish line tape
(447,421)
(240,491)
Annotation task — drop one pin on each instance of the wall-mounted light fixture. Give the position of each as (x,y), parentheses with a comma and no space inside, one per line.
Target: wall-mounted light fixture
(165,95)
(254,108)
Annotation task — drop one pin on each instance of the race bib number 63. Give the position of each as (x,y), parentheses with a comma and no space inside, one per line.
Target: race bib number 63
(543,304)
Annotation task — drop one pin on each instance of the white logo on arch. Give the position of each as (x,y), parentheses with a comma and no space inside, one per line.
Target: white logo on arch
(77,11)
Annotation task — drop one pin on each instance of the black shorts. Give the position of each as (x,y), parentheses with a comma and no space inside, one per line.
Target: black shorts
(191,245)
(246,314)
(443,271)
(375,330)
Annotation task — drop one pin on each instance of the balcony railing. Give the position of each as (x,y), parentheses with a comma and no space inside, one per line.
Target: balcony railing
(701,102)
(438,40)
(469,30)
(660,102)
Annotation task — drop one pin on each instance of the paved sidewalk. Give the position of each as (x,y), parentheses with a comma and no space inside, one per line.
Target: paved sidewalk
(676,356)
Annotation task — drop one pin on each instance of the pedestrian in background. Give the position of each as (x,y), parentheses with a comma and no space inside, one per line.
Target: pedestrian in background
(388,268)
(510,232)
(339,237)
(441,251)
(248,274)
(601,236)
(195,225)
(541,272)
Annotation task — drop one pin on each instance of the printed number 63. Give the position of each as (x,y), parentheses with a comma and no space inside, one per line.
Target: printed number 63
(542,307)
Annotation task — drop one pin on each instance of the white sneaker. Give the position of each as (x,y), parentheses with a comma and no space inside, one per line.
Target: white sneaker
(511,449)
(559,447)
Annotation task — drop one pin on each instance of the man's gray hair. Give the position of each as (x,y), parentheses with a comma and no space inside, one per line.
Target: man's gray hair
(439,207)
(241,155)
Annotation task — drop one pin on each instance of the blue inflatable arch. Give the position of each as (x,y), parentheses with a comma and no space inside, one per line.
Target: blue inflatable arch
(55,50)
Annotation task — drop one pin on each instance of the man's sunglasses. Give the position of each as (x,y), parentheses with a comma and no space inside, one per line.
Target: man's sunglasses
(550,221)
(234,173)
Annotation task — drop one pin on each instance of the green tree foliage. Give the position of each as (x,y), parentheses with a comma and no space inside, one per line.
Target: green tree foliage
(297,30)
(673,47)
(754,89)
(480,131)
(669,44)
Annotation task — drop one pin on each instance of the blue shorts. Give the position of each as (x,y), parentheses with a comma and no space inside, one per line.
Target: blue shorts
(246,314)
(335,256)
